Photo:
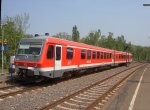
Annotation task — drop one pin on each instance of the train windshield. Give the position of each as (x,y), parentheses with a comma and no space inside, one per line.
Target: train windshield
(30,49)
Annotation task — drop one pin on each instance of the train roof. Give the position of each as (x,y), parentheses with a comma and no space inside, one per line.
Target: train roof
(66,43)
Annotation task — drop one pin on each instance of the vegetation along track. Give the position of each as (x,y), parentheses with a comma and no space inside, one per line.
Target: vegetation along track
(93,96)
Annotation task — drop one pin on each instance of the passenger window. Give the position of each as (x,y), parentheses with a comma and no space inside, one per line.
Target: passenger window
(83,54)
(102,54)
(94,55)
(58,53)
(69,53)
(107,55)
(98,55)
(110,55)
(50,52)
(89,54)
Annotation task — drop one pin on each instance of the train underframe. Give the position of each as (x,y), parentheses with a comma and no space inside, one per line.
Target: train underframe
(28,75)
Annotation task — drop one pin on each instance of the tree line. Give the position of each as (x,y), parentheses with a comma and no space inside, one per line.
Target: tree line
(14,29)
(140,53)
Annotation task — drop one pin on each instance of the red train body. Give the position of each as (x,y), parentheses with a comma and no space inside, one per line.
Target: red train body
(53,57)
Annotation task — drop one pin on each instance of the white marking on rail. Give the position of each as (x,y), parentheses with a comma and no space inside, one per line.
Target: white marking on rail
(97,108)
(104,101)
(84,98)
(88,95)
(100,104)
(10,97)
(26,92)
(99,90)
(106,98)
(96,89)
(77,105)
(1,99)
(79,101)
(18,94)
(11,90)
(4,92)
(94,94)
(136,91)
(109,95)
(66,108)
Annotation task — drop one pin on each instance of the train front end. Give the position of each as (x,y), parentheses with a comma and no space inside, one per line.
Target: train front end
(28,58)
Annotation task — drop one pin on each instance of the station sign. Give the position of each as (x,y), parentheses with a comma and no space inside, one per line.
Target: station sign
(5,46)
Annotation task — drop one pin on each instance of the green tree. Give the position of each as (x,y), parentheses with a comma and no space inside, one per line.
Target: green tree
(92,38)
(110,41)
(75,34)
(14,29)
(120,43)
(63,35)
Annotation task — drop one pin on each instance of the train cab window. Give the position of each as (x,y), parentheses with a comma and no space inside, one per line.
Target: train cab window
(58,53)
(94,55)
(50,52)
(98,55)
(69,54)
(89,54)
(83,54)
(102,55)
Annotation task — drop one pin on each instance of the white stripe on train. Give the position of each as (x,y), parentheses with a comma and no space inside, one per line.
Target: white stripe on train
(71,67)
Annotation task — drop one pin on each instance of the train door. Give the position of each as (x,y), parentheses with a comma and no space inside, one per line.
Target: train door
(58,58)
(113,57)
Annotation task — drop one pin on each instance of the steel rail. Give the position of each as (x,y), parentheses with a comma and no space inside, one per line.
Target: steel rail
(92,105)
(54,104)
(28,89)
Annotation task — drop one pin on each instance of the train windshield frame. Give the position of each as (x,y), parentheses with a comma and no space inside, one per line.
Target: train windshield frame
(30,49)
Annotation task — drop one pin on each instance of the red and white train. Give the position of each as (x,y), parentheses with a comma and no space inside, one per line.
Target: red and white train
(53,57)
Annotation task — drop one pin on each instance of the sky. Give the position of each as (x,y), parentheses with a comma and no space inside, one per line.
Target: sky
(121,17)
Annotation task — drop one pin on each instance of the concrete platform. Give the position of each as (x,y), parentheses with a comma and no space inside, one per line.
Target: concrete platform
(134,95)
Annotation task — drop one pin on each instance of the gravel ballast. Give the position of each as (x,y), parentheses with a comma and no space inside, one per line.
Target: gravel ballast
(39,98)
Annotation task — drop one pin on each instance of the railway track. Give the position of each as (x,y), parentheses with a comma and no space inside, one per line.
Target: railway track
(19,89)
(13,90)
(93,96)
